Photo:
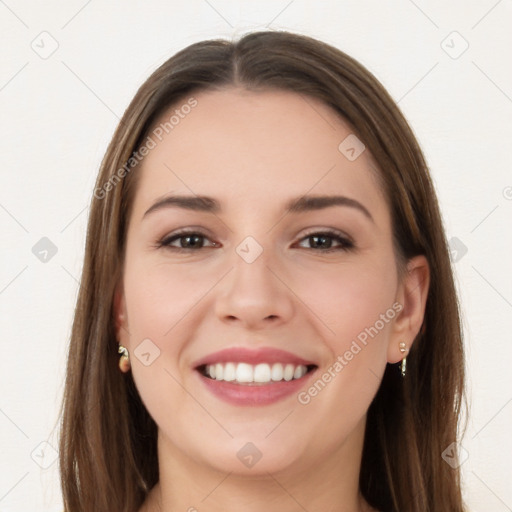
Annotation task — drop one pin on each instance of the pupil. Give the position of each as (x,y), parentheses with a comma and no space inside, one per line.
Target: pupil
(190,237)
(323,240)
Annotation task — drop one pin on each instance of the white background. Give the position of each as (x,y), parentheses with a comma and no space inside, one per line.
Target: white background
(58,114)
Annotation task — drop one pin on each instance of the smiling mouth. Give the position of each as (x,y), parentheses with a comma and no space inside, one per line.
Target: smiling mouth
(255,374)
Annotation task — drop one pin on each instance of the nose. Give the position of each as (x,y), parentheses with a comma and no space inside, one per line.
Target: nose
(254,295)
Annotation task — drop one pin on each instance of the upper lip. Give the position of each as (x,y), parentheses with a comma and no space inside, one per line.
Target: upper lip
(252,356)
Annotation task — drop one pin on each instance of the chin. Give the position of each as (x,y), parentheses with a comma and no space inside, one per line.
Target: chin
(253,459)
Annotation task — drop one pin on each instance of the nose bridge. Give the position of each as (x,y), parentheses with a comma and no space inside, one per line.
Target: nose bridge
(252,269)
(252,292)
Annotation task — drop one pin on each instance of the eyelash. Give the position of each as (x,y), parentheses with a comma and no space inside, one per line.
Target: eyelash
(346,244)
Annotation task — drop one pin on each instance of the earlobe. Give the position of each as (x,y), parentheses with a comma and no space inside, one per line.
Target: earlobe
(412,294)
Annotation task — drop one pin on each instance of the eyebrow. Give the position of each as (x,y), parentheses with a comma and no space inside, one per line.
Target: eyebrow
(296,205)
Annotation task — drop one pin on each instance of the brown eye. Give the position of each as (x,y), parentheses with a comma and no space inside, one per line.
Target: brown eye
(323,241)
(186,241)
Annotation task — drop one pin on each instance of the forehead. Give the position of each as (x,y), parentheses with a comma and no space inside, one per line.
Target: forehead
(259,147)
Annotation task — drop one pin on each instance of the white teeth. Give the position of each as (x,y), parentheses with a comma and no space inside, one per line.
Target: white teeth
(219,371)
(230,372)
(244,373)
(289,370)
(277,372)
(299,372)
(260,373)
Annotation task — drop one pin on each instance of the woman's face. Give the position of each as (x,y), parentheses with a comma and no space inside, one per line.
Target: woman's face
(254,291)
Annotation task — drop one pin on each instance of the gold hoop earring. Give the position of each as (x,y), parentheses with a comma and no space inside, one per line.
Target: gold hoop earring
(124,360)
(403,364)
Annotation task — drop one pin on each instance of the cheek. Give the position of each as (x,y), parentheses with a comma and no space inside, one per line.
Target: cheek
(159,296)
(356,304)
(162,301)
(348,301)
(337,399)
(159,299)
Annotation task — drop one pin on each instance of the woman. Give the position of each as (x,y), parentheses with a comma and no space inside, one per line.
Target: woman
(266,263)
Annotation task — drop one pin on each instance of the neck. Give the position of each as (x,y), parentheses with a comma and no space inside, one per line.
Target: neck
(330,483)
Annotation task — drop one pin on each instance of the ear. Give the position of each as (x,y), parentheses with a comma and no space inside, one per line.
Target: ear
(412,296)
(120,317)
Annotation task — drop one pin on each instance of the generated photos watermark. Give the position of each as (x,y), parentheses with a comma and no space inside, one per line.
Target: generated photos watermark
(157,135)
(305,397)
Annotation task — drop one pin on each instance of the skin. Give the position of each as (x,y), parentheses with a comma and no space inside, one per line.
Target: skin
(254,151)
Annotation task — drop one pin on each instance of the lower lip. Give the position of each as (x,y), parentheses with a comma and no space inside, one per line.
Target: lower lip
(255,394)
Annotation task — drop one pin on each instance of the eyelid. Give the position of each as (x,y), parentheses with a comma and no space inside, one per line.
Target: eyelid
(346,242)
(328,231)
(165,241)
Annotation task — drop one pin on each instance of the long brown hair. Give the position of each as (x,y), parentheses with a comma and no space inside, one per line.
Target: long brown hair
(108,456)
